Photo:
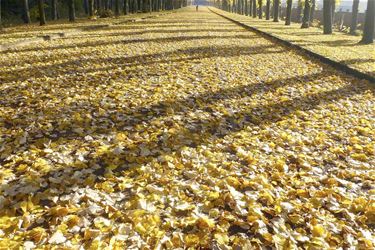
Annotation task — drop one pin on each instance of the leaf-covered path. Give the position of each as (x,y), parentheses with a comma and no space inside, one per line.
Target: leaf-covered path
(182,131)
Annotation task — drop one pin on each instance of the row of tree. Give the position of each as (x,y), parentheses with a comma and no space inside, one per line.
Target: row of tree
(103,8)
(255,9)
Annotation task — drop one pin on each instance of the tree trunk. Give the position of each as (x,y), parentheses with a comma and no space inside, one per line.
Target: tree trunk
(368,31)
(150,5)
(26,11)
(72,11)
(341,24)
(54,9)
(130,4)
(140,5)
(333,8)
(42,15)
(99,6)
(312,11)
(268,6)
(288,12)
(299,10)
(91,8)
(144,6)
(117,8)
(306,15)
(86,6)
(0,14)
(246,7)
(126,7)
(250,7)
(276,10)
(353,25)
(272,7)
(135,6)
(260,3)
(254,8)
(327,17)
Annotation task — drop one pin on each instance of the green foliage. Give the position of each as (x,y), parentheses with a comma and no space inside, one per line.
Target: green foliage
(79,5)
(34,12)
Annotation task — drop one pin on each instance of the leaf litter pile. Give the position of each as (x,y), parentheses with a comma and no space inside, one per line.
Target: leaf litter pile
(182,131)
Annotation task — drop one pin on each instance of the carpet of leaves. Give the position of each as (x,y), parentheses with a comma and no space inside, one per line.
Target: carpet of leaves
(19,33)
(182,131)
(339,46)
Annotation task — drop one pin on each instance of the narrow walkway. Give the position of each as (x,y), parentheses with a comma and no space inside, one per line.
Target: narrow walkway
(184,130)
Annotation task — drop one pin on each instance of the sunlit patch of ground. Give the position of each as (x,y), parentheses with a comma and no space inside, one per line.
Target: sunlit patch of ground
(338,46)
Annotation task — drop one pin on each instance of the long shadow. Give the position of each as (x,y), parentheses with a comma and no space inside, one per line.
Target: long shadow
(138,40)
(192,21)
(308,34)
(271,28)
(194,133)
(83,24)
(159,109)
(357,61)
(328,43)
(189,54)
(340,43)
(159,31)
(165,26)
(157,25)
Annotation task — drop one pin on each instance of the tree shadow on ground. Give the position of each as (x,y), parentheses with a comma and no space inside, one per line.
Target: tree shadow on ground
(132,26)
(185,23)
(358,61)
(137,40)
(340,43)
(194,133)
(270,28)
(80,66)
(159,31)
(308,34)
(335,43)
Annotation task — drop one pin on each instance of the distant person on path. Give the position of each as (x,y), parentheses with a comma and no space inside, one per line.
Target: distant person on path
(196,8)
